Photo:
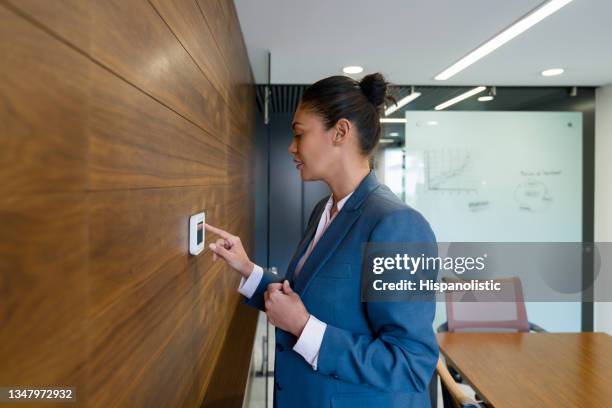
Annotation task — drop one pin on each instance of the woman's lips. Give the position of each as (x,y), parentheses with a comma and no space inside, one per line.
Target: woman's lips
(298,164)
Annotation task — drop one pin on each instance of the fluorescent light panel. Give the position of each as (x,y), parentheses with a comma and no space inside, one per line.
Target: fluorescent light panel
(392,120)
(461,97)
(508,34)
(402,102)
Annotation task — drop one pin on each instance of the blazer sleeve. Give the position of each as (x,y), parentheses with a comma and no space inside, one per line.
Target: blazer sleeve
(401,352)
(257,300)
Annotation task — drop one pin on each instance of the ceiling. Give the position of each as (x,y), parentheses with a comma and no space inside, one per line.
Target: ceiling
(284,98)
(411,41)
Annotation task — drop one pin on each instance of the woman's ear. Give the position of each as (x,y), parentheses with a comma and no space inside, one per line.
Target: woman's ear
(343,128)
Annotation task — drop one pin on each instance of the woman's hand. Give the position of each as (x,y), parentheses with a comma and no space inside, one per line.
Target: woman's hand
(285,309)
(230,249)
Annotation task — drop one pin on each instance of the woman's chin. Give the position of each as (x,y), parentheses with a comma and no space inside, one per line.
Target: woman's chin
(304,174)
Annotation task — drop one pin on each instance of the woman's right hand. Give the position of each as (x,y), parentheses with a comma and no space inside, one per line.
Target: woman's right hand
(230,249)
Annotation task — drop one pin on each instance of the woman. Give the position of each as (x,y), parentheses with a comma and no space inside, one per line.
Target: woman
(332,349)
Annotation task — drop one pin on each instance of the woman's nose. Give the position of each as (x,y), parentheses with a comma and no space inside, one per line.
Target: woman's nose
(293,147)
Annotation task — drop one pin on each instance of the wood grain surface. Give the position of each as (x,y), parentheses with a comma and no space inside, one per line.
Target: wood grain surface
(534,369)
(119,120)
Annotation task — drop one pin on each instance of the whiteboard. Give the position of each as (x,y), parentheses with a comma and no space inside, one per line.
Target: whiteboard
(499,177)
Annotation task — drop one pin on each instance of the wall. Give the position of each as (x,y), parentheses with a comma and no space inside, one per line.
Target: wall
(119,119)
(603,196)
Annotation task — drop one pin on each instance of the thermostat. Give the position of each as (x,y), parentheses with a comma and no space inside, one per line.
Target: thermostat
(196,233)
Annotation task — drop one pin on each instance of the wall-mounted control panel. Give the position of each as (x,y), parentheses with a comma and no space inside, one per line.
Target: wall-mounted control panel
(196,233)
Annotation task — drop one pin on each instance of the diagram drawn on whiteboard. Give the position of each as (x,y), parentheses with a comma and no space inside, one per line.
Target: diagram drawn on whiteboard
(448,170)
(532,196)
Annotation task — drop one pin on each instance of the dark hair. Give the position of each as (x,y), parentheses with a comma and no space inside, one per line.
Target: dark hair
(360,102)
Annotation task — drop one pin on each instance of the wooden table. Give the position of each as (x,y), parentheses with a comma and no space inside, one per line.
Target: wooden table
(534,369)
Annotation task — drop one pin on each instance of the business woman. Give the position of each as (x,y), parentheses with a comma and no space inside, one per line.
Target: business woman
(332,349)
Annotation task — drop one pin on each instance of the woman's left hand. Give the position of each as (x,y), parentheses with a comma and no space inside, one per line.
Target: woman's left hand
(285,309)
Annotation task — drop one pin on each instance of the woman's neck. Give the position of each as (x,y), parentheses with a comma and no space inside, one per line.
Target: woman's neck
(345,180)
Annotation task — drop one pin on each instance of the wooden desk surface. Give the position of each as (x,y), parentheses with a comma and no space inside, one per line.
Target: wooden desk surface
(534,369)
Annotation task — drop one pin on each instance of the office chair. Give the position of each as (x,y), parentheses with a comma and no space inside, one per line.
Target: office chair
(452,395)
(504,311)
(466,312)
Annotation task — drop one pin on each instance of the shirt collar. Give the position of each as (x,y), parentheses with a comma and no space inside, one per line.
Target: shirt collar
(340,203)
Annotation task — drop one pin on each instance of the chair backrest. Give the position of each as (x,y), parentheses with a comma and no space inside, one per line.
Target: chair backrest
(487,310)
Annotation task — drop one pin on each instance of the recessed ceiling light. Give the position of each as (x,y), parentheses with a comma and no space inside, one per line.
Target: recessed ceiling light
(485,98)
(432,123)
(552,72)
(531,19)
(394,134)
(461,97)
(387,140)
(352,69)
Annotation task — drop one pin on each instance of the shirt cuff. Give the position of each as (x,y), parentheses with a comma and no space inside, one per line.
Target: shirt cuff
(309,343)
(248,286)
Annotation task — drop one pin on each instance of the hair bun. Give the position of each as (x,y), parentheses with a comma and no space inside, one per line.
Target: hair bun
(374,87)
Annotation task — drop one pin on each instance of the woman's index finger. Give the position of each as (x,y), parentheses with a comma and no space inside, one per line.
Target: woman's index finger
(218,231)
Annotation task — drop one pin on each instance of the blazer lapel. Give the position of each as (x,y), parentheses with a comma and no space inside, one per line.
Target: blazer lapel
(308,236)
(334,234)
(325,247)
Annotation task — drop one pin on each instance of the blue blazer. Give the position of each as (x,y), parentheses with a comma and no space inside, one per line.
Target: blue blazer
(375,354)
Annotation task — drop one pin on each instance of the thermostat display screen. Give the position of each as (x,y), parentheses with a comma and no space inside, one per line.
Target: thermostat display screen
(200,232)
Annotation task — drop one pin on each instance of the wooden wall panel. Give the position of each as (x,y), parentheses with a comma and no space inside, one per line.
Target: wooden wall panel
(236,48)
(136,143)
(186,21)
(222,23)
(225,390)
(44,106)
(131,40)
(42,120)
(43,289)
(127,117)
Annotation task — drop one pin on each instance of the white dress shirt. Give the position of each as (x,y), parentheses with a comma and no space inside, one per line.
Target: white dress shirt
(309,342)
